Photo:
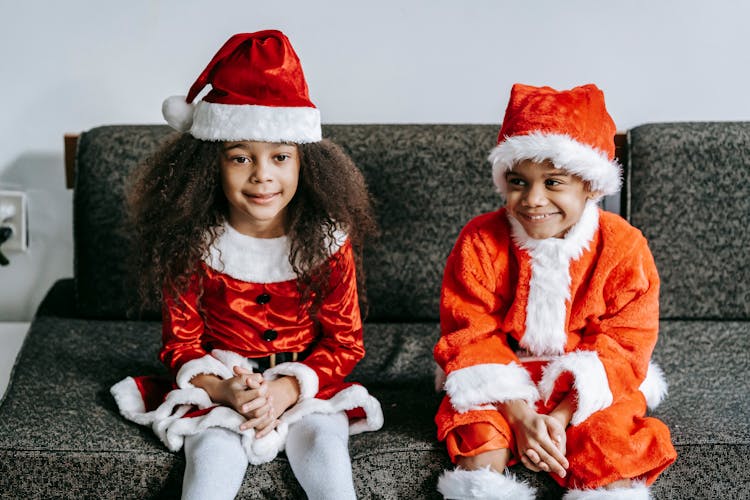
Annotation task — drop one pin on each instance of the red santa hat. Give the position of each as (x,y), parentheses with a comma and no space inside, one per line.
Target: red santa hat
(570,128)
(258,92)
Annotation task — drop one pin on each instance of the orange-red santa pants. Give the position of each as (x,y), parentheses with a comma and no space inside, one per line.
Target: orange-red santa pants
(618,442)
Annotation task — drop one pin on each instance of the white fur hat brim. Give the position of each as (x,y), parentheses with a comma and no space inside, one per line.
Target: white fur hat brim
(564,152)
(232,122)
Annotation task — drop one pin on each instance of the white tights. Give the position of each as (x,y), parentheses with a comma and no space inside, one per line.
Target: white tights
(318,450)
(317,447)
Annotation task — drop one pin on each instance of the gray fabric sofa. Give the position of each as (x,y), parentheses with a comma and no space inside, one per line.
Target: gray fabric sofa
(685,187)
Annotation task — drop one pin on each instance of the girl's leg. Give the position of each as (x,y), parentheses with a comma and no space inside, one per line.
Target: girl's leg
(215,465)
(318,450)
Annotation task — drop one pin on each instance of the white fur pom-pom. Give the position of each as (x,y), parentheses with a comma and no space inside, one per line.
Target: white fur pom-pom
(177,112)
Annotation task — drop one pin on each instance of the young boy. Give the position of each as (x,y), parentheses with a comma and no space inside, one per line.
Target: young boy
(549,314)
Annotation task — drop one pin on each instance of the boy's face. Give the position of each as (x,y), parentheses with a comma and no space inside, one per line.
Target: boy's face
(259,180)
(546,201)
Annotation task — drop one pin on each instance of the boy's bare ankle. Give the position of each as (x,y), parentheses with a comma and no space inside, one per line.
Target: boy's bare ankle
(495,459)
(622,483)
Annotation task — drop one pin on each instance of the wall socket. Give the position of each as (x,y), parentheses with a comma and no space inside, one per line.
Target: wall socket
(13,215)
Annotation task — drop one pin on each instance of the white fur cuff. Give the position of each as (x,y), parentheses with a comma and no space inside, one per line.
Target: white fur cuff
(208,365)
(489,383)
(638,491)
(306,376)
(483,484)
(590,382)
(654,387)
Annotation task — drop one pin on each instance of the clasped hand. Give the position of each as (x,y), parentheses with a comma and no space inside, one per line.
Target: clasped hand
(260,401)
(540,439)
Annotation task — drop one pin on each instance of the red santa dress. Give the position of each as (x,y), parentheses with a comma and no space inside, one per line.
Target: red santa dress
(250,308)
(535,319)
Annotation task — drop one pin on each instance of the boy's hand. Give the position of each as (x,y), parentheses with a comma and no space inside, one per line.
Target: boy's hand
(563,413)
(540,439)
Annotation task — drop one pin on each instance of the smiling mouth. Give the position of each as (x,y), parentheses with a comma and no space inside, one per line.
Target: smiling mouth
(261,198)
(538,217)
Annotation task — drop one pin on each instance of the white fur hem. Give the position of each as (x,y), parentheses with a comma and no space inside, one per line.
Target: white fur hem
(563,151)
(232,122)
(483,484)
(590,382)
(354,396)
(170,425)
(489,383)
(306,376)
(655,386)
(639,491)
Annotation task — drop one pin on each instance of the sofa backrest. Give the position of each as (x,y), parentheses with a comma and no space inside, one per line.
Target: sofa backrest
(689,194)
(427,180)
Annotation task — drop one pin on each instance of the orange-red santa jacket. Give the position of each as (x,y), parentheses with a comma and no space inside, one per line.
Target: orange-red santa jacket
(587,304)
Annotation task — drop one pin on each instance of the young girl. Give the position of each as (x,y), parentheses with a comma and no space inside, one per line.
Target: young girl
(549,315)
(254,226)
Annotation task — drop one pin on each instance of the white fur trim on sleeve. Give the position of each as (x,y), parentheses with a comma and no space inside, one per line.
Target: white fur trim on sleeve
(231,359)
(655,386)
(489,383)
(208,364)
(306,376)
(590,382)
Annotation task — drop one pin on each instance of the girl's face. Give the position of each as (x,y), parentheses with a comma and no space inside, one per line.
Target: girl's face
(259,180)
(546,201)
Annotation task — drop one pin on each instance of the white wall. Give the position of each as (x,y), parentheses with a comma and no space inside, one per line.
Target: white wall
(69,66)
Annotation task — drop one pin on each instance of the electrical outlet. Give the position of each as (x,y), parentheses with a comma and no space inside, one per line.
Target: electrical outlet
(13,215)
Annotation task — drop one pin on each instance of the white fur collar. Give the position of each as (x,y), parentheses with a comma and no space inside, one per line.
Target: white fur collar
(257,260)
(549,288)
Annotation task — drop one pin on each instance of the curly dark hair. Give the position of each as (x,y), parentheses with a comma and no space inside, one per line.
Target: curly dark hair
(176,209)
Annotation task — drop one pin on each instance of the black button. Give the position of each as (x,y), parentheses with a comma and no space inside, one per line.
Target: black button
(263,298)
(270,335)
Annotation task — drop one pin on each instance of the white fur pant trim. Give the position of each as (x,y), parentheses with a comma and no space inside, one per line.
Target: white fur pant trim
(460,484)
(318,450)
(638,491)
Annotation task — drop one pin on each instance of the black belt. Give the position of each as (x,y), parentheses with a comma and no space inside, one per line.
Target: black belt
(274,359)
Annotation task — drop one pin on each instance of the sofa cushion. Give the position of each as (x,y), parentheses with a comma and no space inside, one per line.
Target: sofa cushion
(706,410)
(406,166)
(60,430)
(690,196)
